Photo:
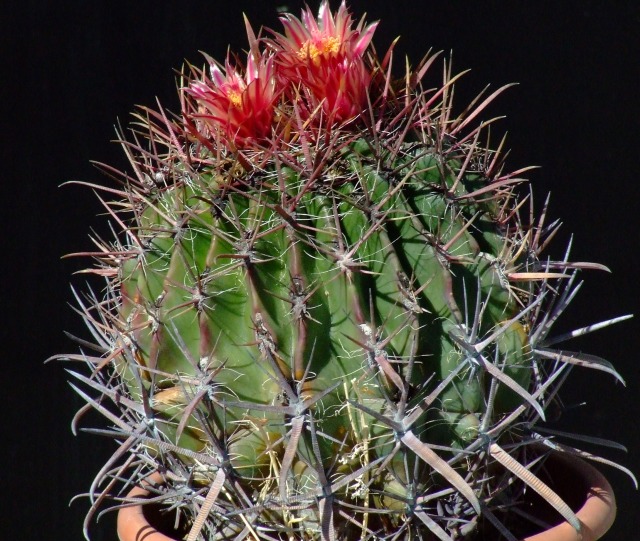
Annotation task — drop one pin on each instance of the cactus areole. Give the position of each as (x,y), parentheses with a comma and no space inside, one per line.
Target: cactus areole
(327,310)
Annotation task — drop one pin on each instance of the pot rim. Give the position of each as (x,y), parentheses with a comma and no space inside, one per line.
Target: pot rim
(132,525)
(596,515)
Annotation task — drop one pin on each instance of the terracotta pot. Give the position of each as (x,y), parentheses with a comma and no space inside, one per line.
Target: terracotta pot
(133,524)
(596,507)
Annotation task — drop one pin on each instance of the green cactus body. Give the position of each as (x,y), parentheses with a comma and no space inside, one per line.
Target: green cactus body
(284,297)
(336,322)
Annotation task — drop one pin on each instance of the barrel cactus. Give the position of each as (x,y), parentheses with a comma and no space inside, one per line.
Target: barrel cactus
(327,310)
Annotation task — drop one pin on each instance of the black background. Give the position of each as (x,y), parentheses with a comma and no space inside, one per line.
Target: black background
(71,69)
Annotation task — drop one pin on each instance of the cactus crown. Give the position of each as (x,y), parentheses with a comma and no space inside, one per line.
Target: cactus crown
(327,312)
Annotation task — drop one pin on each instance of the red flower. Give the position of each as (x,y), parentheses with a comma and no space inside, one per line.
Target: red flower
(325,56)
(239,108)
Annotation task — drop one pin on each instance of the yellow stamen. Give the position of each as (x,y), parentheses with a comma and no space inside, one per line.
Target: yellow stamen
(331,45)
(235,98)
(314,51)
(308,51)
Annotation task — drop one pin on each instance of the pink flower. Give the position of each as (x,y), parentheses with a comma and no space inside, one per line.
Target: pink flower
(238,108)
(325,57)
